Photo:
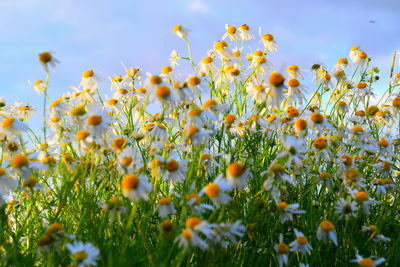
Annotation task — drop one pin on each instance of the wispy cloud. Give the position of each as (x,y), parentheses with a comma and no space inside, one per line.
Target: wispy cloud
(198,6)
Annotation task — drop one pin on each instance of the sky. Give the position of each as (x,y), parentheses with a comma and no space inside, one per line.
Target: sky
(100,34)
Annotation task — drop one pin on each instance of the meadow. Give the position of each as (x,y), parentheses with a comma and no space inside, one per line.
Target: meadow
(234,163)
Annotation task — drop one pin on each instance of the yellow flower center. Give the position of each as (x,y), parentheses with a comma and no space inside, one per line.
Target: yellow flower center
(327,226)
(207,60)
(187,234)
(155,79)
(141,90)
(292,112)
(112,102)
(127,161)
(165,201)
(357,129)
(396,102)
(82,135)
(196,198)
(19,161)
(342,61)
(212,190)
(177,28)
(300,124)
(259,88)
(361,196)
(268,37)
(276,79)
(7,123)
(78,111)
(362,55)
(293,68)
(87,74)
(244,27)
(194,112)
(293,83)
(235,169)
(53,228)
(282,206)
(372,110)
(231,30)
(324,175)
(317,118)
(283,248)
(192,222)
(352,173)
(220,45)
(80,255)
(94,120)
(56,103)
(172,165)
(45,240)
(302,240)
(119,143)
(229,119)
(130,182)
(361,85)
(166,69)
(210,103)
(366,262)
(320,143)
(383,143)
(45,57)
(163,91)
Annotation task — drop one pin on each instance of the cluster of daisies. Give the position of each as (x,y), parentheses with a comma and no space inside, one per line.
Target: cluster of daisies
(197,146)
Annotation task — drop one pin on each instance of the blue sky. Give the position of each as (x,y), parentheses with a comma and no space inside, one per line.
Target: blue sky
(100,34)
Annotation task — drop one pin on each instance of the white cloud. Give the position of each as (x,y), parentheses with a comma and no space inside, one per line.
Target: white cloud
(198,6)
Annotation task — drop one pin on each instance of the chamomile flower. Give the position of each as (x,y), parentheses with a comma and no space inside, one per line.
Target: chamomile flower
(46,59)
(282,252)
(115,208)
(363,199)
(180,31)
(326,230)
(296,93)
(89,80)
(174,170)
(12,127)
(245,32)
(372,230)
(207,65)
(353,52)
(216,191)
(39,86)
(83,254)
(232,33)
(221,48)
(286,211)
(277,86)
(173,58)
(360,58)
(165,207)
(341,64)
(269,42)
(368,261)
(193,200)
(257,90)
(300,244)
(135,187)
(237,175)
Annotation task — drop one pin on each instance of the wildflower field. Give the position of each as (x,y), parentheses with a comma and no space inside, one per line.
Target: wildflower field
(231,163)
